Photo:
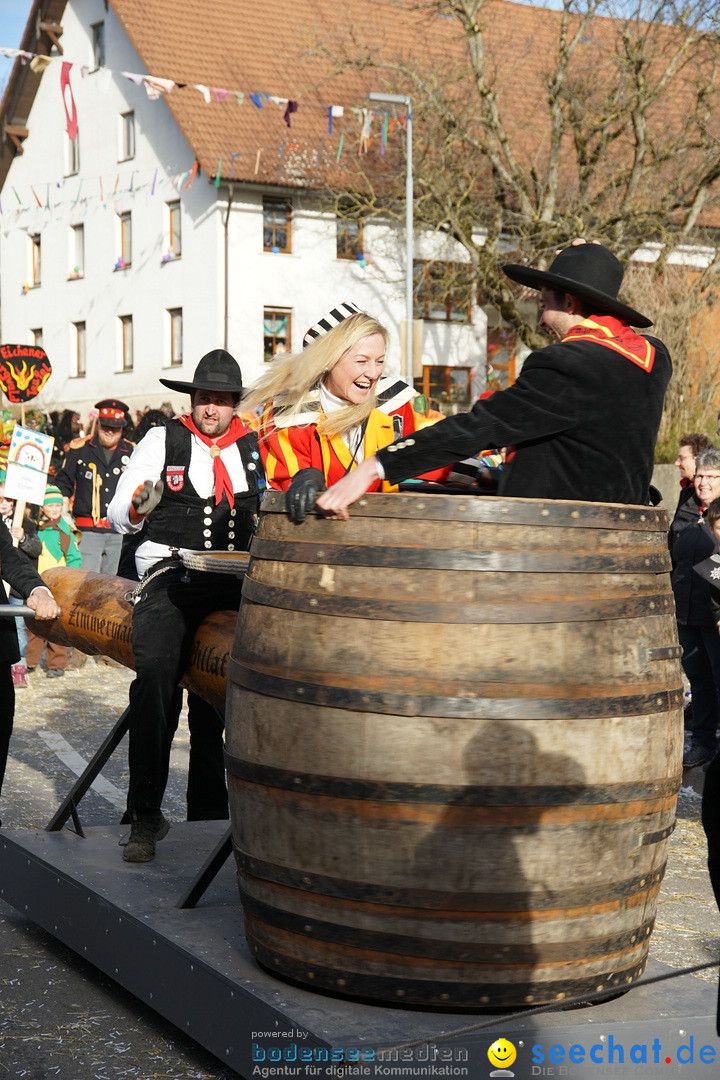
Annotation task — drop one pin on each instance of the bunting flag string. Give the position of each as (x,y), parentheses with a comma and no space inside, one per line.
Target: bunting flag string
(115,191)
(158,87)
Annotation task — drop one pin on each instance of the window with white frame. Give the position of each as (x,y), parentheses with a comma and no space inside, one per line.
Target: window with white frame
(348,231)
(79,331)
(98,44)
(126,343)
(125,240)
(174,238)
(127,136)
(72,155)
(277,324)
(277,226)
(443,291)
(77,252)
(175,319)
(35,259)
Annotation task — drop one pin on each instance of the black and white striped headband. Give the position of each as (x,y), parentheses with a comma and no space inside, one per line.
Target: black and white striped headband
(330,321)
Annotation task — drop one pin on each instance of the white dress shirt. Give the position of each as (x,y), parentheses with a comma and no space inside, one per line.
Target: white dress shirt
(147,463)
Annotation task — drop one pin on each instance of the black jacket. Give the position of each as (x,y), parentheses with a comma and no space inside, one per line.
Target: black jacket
(691,542)
(15,568)
(30,545)
(583,417)
(84,468)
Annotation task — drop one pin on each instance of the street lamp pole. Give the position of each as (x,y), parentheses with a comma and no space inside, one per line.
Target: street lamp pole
(404,99)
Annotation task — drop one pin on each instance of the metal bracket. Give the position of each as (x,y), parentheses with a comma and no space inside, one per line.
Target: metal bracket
(648,654)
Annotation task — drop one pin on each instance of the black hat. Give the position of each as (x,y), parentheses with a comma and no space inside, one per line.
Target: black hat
(112,413)
(589,271)
(218,371)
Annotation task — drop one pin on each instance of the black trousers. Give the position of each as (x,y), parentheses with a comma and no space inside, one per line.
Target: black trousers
(7,713)
(165,619)
(711,822)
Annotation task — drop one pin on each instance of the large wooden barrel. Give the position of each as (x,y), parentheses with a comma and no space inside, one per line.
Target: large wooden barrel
(454,738)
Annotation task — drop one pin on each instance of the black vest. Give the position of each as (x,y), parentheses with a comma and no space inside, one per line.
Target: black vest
(183,519)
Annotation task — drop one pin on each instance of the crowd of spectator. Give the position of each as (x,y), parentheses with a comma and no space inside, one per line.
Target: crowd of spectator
(692,541)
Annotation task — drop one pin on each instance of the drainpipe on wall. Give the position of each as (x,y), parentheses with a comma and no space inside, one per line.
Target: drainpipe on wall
(226,298)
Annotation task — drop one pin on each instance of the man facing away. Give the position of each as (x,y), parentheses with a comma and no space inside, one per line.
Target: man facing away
(583,414)
(192,485)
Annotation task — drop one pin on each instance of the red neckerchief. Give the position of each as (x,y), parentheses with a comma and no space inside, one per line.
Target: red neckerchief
(223,483)
(617,335)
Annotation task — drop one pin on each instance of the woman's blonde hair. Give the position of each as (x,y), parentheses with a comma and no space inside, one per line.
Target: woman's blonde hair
(291,384)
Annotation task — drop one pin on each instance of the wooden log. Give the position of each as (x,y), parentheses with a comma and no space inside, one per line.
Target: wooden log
(96,618)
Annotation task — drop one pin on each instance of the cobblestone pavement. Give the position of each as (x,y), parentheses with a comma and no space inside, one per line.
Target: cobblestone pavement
(687,929)
(60,1018)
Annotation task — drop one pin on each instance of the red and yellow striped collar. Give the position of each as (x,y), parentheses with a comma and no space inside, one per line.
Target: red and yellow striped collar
(615,334)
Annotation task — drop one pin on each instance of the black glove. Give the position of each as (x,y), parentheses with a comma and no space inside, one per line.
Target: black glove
(305,487)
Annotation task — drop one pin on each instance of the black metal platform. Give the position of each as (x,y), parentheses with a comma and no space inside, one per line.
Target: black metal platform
(192,966)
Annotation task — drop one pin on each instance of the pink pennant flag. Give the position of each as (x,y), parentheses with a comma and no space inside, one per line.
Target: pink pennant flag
(67,95)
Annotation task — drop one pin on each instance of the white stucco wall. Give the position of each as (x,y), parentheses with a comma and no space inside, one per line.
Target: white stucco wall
(311,280)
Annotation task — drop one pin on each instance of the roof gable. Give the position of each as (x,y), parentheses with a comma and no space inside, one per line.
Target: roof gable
(292,52)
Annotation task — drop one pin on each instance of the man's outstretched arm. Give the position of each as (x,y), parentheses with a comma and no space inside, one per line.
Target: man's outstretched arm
(334,502)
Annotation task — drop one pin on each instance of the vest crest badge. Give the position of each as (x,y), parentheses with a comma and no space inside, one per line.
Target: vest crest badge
(175,477)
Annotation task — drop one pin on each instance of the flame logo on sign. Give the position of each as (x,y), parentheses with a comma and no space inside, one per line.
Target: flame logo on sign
(22,377)
(21,383)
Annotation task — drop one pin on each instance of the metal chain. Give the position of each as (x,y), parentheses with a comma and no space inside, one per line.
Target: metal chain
(134,595)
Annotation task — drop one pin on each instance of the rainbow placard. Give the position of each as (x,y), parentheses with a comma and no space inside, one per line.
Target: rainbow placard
(28,464)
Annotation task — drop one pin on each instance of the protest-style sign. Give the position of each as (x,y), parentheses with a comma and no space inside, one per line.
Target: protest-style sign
(24,370)
(28,464)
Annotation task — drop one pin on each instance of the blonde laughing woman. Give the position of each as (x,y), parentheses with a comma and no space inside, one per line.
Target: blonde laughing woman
(320,418)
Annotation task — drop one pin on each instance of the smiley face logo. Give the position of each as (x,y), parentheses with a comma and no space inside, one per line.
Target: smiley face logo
(502,1053)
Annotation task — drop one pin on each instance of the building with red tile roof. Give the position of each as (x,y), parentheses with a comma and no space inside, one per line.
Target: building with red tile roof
(197,206)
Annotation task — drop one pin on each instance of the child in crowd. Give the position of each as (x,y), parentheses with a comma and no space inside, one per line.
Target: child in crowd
(25,538)
(58,549)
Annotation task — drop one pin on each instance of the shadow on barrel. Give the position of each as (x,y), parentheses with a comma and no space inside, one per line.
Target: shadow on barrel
(513,855)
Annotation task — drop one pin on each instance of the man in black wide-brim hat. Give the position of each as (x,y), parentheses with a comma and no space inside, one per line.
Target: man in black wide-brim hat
(192,485)
(583,414)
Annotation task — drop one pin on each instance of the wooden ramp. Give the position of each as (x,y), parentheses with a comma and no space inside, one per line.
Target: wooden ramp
(192,965)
